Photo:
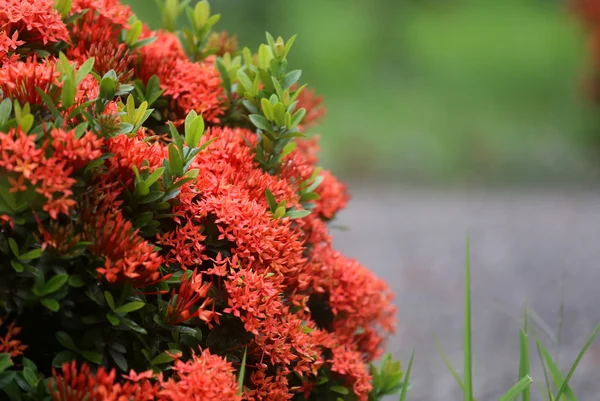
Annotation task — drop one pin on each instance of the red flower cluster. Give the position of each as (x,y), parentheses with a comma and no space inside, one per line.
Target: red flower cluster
(589,12)
(155,239)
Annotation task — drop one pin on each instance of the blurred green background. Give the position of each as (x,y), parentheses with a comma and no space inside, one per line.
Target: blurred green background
(445,91)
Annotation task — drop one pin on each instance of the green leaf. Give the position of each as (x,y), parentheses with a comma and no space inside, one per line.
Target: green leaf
(287,149)
(164,357)
(130,307)
(152,178)
(242,373)
(134,33)
(524,362)
(63,357)
(194,132)
(5,361)
(261,122)
(557,376)
(339,390)
(291,78)
(85,69)
(13,247)
(26,123)
(76,281)
(521,386)
(175,162)
(51,304)
(5,110)
(279,212)
(108,87)
(119,360)
(66,341)
(54,284)
(468,393)
(298,117)
(92,356)
(565,385)
(31,377)
(18,267)
(244,80)
(67,95)
(271,200)
(113,319)
(407,378)
(297,214)
(449,364)
(109,300)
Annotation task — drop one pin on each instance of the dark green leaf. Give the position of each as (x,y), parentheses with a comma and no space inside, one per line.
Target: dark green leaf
(175,162)
(51,304)
(54,284)
(65,340)
(63,357)
(119,360)
(261,122)
(110,300)
(271,200)
(5,110)
(165,357)
(31,377)
(339,389)
(76,281)
(92,356)
(130,307)
(5,361)
(13,247)
(242,373)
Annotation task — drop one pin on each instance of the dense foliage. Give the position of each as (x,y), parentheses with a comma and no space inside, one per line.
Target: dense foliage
(163,222)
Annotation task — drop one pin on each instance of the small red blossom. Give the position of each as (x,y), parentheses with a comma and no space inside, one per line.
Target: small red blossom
(183,300)
(9,342)
(313,105)
(349,364)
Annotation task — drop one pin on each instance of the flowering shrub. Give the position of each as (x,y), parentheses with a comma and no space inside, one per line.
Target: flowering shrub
(163,223)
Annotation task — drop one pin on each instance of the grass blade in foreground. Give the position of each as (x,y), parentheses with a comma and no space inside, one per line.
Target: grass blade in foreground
(449,364)
(242,372)
(407,378)
(524,361)
(468,388)
(565,386)
(557,376)
(521,386)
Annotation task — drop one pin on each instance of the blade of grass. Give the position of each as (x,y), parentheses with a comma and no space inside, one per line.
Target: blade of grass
(242,373)
(467,370)
(517,389)
(524,362)
(557,376)
(547,382)
(449,364)
(565,385)
(561,313)
(407,378)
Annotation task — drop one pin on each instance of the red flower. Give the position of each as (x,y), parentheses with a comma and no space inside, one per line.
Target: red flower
(9,343)
(157,58)
(268,388)
(190,292)
(18,80)
(205,377)
(112,10)
(36,21)
(193,86)
(98,37)
(349,364)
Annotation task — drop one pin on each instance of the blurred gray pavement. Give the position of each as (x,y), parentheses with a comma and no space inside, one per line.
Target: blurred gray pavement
(526,246)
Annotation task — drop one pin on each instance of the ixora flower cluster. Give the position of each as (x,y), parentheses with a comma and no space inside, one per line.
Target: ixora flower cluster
(163,224)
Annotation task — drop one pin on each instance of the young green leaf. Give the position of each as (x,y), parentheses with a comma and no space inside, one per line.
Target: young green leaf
(5,361)
(242,373)
(407,378)
(85,69)
(524,362)
(271,200)
(109,300)
(51,303)
(260,122)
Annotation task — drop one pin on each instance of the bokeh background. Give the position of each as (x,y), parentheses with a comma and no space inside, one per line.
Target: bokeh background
(449,117)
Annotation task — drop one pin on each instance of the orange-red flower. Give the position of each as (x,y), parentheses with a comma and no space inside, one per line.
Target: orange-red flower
(183,300)
(18,80)
(36,21)
(9,342)
(205,377)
